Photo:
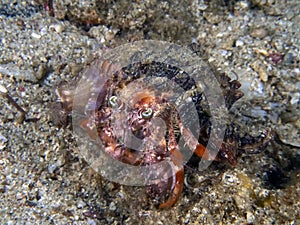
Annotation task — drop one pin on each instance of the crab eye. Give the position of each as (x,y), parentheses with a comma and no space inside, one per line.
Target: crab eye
(147,113)
(113,101)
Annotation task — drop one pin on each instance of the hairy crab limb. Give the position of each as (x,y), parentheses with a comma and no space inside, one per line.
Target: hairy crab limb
(230,146)
(200,150)
(192,142)
(176,159)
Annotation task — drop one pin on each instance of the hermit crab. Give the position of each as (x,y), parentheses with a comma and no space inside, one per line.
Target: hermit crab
(147,107)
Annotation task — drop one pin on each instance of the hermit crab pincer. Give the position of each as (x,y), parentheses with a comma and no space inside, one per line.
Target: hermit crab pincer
(147,107)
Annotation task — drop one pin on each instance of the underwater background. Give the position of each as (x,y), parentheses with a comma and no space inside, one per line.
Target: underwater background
(43,178)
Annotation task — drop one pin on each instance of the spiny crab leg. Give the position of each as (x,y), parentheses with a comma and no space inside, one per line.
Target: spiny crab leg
(193,143)
(201,151)
(176,159)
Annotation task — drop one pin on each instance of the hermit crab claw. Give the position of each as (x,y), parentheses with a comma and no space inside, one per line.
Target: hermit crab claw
(178,180)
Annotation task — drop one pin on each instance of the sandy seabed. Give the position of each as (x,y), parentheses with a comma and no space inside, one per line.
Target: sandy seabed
(44,179)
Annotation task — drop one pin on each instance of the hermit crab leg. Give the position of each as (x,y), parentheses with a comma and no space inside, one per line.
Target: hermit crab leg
(192,142)
(201,151)
(118,152)
(176,159)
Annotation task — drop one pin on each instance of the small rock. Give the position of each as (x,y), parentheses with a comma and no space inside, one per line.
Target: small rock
(229,179)
(261,51)
(3,141)
(263,74)
(212,18)
(244,4)
(110,34)
(51,168)
(205,211)
(202,6)
(112,206)
(288,58)
(35,35)
(80,204)
(250,217)
(239,201)
(98,32)
(259,33)
(91,222)
(3,89)
(41,72)
(224,52)
(57,27)
(196,210)
(44,31)
(19,196)
(239,43)
(261,70)
(10,116)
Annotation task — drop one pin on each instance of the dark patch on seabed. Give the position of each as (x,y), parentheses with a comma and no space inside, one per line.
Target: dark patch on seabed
(19,10)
